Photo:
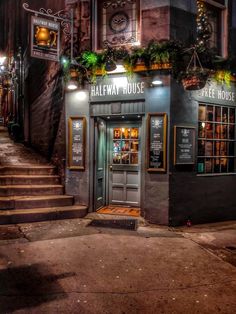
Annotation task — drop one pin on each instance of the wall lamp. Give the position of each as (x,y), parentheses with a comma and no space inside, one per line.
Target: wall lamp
(157,82)
(76,74)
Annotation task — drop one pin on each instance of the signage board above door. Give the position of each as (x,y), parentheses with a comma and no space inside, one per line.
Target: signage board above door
(116,88)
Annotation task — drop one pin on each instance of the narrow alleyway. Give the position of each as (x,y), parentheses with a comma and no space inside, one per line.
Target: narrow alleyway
(30,189)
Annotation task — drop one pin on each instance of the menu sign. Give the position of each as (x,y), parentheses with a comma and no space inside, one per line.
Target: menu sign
(157,128)
(76,145)
(184,141)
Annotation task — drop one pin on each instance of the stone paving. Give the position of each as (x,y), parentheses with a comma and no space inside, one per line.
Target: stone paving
(70,267)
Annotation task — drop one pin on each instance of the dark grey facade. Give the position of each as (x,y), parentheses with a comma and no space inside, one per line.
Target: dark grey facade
(179,193)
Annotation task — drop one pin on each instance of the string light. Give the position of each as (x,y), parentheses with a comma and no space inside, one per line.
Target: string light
(203,25)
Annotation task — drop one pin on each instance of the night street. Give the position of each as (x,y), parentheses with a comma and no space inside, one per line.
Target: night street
(118,156)
(69,267)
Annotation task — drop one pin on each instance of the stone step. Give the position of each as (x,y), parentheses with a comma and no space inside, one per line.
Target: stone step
(27,202)
(27,169)
(15,216)
(29,179)
(10,190)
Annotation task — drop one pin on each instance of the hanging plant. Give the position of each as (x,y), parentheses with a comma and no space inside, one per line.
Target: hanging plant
(223,77)
(195,76)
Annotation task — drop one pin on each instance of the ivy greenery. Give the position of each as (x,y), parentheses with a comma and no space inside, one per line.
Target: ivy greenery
(170,52)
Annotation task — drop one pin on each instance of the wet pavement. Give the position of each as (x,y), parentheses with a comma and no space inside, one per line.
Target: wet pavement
(71,267)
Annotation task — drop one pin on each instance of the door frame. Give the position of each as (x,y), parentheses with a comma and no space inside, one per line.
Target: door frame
(119,123)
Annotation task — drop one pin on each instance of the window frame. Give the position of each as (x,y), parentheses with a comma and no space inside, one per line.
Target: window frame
(223,38)
(214,140)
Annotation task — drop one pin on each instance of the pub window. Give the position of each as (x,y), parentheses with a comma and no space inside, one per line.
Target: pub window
(217,20)
(117,23)
(216,139)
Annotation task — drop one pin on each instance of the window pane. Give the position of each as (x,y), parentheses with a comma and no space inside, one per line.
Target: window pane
(209,113)
(117,133)
(116,158)
(225,114)
(134,158)
(232,115)
(134,133)
(217,165)
(125,133)
(224,164)
(231,164)
(217,149)
(208,165)
(209,148)
(223,149)
(218,131)
(231,132)
(125,158)
(202,113)
(134,146)
(116,146)
(218,114)
(231,148)
(200,165)
(125,146)
(209,130)
(201,129)
(201,148)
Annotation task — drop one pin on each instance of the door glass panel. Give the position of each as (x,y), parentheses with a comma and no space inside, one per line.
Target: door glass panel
(125,158)
(134,133)
(125,133)
(116,158)
(117,133)
(125,146)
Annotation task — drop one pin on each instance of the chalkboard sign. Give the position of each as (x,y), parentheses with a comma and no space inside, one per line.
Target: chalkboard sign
(77,133)
(184,141)
(157,131)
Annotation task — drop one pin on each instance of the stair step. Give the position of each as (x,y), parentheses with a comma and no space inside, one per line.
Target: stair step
(27,169)
(10,190)
(26,202)
(15,216)
(29,179)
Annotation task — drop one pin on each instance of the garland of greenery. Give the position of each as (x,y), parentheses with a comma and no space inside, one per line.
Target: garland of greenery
(164,52)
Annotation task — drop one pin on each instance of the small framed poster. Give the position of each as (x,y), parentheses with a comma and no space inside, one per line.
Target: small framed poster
(184,145)
(76,143)
(157,138)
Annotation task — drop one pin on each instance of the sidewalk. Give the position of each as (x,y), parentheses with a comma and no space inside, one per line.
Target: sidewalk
(70,267)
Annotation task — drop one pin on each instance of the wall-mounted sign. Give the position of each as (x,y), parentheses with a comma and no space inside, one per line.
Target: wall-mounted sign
(157,137)
(184,145)
(217,93)
(76,143)
(45,38)
(113,88)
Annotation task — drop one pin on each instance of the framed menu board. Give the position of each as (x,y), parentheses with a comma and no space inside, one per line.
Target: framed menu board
(157,136)
(184,145)
(76,145)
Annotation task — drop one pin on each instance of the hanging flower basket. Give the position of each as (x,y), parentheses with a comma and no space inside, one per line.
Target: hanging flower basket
(194,82)
(195,77)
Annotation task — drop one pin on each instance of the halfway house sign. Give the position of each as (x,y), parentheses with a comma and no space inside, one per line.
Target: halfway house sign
(45,38)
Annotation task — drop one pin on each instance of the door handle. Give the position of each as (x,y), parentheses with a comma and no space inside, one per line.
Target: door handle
(110,167)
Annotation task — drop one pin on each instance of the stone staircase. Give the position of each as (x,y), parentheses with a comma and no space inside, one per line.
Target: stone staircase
(30,189)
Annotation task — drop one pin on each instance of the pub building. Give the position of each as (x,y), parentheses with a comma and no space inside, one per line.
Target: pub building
(162,149)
